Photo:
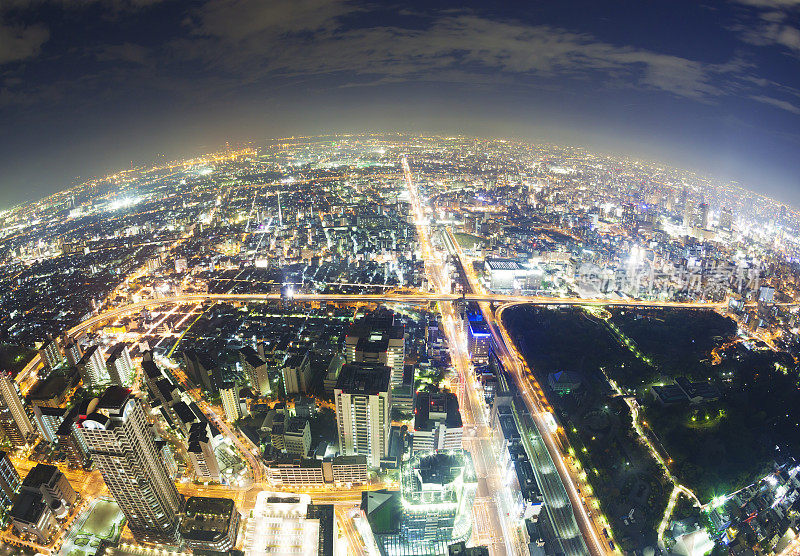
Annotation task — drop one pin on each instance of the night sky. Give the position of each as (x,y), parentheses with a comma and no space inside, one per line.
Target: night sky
(89,86)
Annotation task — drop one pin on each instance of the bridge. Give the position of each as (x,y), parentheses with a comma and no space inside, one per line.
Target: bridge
(386,297)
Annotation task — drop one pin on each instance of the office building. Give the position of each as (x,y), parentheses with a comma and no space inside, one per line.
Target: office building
(70,437)
(332,373)
(297,436)
(255,369)
(431,511)
(92,367)
(9,482)
(13,419)
(48,419)
(210,524)
(119,365)
(438,490)
(199,369)
(363,410)
(229,393)
(51,485)
(294,471)
(726,219)
(201,453)
(376,339)
(51,354)
(121,445)
(437,422)
(32,517)
(297,373)
(479,340)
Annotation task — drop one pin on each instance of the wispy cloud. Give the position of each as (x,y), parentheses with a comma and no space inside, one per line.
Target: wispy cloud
(777,103)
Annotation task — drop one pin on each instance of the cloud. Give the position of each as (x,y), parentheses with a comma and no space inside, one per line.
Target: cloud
(239,19)
(774,26)
(20,42)
(777,103)
(309,38)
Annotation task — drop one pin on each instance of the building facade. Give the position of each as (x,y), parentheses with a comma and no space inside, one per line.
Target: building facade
(122,447)
(363,411)
(13,418)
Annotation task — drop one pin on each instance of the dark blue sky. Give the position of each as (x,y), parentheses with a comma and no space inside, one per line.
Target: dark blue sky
(86,86)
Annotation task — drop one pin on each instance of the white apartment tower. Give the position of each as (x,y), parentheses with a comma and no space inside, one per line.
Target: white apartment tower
(363,411)
(119,365)
(229,393)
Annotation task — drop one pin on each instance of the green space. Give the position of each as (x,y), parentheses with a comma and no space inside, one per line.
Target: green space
(467,241)
(598,425)
(716,446)
(721,445)
(102,521)
(13,358)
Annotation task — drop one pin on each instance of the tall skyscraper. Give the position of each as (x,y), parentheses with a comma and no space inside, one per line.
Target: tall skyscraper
(121,445)
(13,419)
(377,339)
(9,482)
(297,373)
(703,211)
(51,353)
(363,410)
(726,219)
(255,369)
(92,367)
(229,393)
(119,365)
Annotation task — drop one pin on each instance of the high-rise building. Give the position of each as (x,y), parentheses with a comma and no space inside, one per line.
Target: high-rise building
(201,453)
(73,351)
(119,365)
(432,509)
(726,219)
(437,422)
(14,421)
(122,447)
(200,369)
(363,410)
(297,373)
(229,392)
(9,482)
(70,438)
(377,339)
(92,367)
(297,436)
(51,354)
(48,419)
(703,215)
(255,369)
(479,340)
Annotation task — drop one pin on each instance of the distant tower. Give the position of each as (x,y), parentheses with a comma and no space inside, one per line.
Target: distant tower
(13,419)
(121,446)
(703,216)
(280,215)
(726,219)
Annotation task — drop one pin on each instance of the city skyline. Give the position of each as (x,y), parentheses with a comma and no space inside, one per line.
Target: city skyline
(401,344)
(708,87)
